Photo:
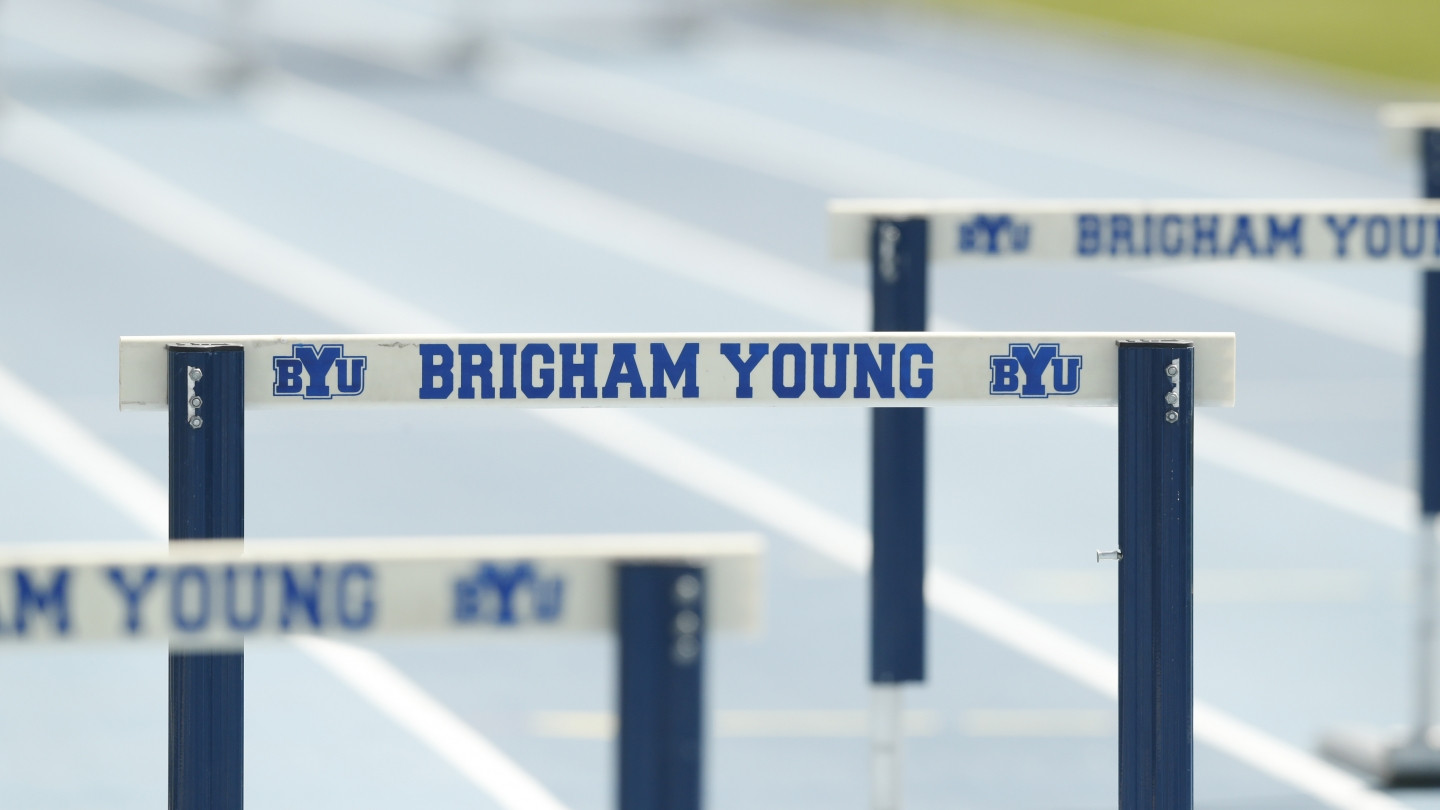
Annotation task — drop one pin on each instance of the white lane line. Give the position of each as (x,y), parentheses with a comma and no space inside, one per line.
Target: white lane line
(449,162)
(435,157)
(1039,723)
(900,92)
(189,222)
(718,132)
(848,723)
(69,446)
(96,34)
(403,701)
(1014,118)
(1294,297)
(1287,469)
(820,723)
(681,462)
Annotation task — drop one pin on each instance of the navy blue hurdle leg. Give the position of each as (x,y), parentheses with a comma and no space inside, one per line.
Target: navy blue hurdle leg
(207,500)
(662,620)
(1157,428)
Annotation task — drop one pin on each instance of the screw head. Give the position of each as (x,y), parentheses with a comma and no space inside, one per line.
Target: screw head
(196,402)
(1172,417)
(196,374)
(1173,370)
(1172,399)
(688,622)
(687,589)
(196,422)
(686,650)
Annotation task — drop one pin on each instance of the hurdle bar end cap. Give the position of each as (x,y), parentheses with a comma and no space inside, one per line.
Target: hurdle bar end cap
(1411,115)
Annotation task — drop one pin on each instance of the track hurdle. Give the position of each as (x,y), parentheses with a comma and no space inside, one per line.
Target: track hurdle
(901,238)
(661,594)
(1156,379)
(1412,757)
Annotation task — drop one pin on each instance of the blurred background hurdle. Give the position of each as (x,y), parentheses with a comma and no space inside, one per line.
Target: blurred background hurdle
(901,238)
(1411,757)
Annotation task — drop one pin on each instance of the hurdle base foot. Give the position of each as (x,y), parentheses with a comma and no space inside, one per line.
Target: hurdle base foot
(1393,759)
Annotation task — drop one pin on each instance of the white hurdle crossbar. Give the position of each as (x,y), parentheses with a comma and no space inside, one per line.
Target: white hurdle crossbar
(216,594)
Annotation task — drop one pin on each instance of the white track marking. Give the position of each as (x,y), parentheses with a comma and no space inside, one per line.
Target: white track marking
(718,132)
(404,702)
(681,462)
(71,447)
(1013,118)
(196,226)
(1292,296)
(441,159)
(771,723)
(1039,723)
(850,724)
(96,34)
(1267,461)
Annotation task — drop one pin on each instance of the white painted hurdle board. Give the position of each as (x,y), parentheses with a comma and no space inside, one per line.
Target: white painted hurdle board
(1096,231)
(213,594)
(902,369)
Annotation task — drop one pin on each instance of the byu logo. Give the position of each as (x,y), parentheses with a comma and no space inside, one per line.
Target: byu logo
(306,372)
(492,596)
(1023,372)
(994,235)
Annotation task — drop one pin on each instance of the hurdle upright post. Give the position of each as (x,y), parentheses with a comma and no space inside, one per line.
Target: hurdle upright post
(207,500)
(1424,707)
(899,267)
(1156,443)
(662,617)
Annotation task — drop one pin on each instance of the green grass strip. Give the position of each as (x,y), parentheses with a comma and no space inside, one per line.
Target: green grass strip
(1397,38)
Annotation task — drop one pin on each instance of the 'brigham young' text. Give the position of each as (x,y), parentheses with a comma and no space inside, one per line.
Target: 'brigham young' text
(659,370)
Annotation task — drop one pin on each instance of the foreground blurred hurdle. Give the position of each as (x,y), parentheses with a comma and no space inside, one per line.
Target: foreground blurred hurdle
(214,595)
(901,238)
(1156,379)
(661,594)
